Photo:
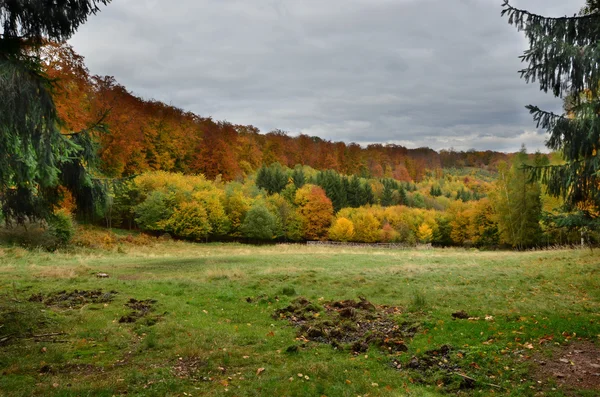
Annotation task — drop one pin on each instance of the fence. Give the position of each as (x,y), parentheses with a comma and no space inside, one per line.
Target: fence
(396,246)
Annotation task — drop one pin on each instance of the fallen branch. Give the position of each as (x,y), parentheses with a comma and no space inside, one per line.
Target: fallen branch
(50,341)
(475,380)
(5,338)
(46,335)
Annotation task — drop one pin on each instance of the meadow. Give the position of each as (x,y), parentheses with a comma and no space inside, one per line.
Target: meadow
(183,319)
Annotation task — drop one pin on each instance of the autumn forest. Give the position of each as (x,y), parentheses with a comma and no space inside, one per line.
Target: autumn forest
(173,172)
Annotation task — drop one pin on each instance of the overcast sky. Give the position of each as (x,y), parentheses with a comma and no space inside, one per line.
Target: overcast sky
(437,73)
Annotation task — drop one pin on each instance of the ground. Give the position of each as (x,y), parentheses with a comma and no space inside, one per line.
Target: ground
(183,319)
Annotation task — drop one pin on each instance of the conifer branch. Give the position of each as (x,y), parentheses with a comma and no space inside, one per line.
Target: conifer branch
(508,9)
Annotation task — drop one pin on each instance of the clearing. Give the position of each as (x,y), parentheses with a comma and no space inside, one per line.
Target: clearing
(178,319)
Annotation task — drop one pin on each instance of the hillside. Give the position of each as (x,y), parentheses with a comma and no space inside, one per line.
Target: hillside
(137,135)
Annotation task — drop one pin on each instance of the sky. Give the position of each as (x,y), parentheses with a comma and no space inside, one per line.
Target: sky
(435,73)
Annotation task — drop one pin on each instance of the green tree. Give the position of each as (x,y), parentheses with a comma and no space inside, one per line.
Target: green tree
(273,179)
(563,57)
(517,204)
(260,223)
(354,192)
(154,211)
(35,158)
(387,197)
(298,177)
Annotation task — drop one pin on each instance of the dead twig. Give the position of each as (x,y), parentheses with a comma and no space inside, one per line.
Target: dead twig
(46,335)
(475,380)
(50,341)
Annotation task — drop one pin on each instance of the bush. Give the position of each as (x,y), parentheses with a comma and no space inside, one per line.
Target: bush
(60,227)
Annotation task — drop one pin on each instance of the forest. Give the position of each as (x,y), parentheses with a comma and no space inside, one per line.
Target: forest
(166,171)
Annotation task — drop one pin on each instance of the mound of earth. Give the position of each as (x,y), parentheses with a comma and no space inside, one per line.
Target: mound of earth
(574,367)
(140,309)
(73,299)
(348,324)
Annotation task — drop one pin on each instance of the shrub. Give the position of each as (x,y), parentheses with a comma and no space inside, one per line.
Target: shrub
(60,226)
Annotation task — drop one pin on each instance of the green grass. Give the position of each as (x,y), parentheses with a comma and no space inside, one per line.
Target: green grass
(204,318)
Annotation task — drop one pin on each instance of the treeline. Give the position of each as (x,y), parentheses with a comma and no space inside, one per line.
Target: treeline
(135,135)
(282,204)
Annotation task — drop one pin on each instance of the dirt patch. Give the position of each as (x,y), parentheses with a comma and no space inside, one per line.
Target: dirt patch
(463,315)
(140,309)
(440,367)
(189,368)
(349,324)
(74,299)
(574,367)
(75,369)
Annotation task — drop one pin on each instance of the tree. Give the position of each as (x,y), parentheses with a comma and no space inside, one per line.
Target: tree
(298,177)
(424,233)
(189,221)
(35,158)
(342,230)
(316,211)
(517,204)
(563,57)
(273,179)
(366,227)
(387,197)
(260,223)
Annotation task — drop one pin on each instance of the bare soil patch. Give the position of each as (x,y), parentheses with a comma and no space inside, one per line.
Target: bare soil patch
(140,309)
(573,367)
(74,299)
(349,324)
(75,369)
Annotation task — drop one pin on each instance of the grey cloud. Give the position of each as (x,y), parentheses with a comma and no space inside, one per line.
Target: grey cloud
(435,73)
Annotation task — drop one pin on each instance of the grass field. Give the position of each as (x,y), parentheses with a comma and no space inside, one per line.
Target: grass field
(212,330)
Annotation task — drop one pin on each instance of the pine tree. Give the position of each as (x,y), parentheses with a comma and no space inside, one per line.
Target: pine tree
(35,158)
(387,197)
(354,192)
(298,177)
(563,57)
(367,196)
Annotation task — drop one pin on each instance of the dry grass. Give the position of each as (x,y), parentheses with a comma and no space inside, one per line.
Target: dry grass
(216,273)
(59,272)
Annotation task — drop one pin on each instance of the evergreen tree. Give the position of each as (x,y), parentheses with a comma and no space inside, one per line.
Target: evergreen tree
(354,192)
(35,158)
(387,197)
(435,191)
(298,177)
(273,179)
(333,185)
(367,196)
(402,199)
(563,58)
